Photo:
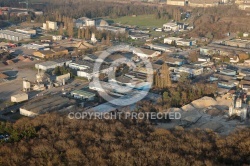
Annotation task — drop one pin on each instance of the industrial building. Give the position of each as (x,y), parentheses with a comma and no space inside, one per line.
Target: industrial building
(176,2)
(63,77)
(14,36)
(191,70)
(146,53)
(174,61)
(111,29)
(83,22)
(161,47)
(27,31)
(44,104)
(50,25)
(109,87)
(238,43)
(52,64)
(86,69)
(203,3)
(58,37)
(171,26)
(139,36)
(19,97)
(179,41)
(83,95)
(55,52)
(34,46)
(228,72)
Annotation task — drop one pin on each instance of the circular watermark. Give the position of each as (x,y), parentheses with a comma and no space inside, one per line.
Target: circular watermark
(115,92)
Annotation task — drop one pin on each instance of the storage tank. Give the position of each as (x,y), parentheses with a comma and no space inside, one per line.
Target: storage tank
(26,85)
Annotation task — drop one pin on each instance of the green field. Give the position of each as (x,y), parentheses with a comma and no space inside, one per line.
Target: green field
(140,20)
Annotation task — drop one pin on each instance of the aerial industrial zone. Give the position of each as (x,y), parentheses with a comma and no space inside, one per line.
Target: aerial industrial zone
(49,67)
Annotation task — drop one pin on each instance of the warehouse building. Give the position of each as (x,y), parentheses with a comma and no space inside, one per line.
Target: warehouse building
(43,105)
(161,47)
(14,36)
(191,70)
(52,64)
(27,31)
(179,41)
(55,52)
(111,29)
(83,22)
(86,69)
(146,53)
(238,43)
(176,2)
(82,95)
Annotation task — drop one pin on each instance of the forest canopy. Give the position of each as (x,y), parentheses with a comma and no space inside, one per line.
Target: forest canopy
(59,140)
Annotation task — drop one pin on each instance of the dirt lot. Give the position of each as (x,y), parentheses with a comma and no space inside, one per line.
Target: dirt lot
(12,87)
(207,113)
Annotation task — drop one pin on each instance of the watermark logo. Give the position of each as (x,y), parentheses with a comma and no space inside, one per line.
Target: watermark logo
(125,115)
(126,93)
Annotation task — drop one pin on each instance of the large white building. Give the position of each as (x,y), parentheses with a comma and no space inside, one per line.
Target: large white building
(52,64)
(83,22)
(86,69)
(111,29)
(180,41)
(176,2)
(146,53)
(14,36)
(171,26)
(50,25)
(27,31)
(191,70)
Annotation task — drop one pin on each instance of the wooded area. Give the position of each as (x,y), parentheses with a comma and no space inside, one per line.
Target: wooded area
(59,140)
